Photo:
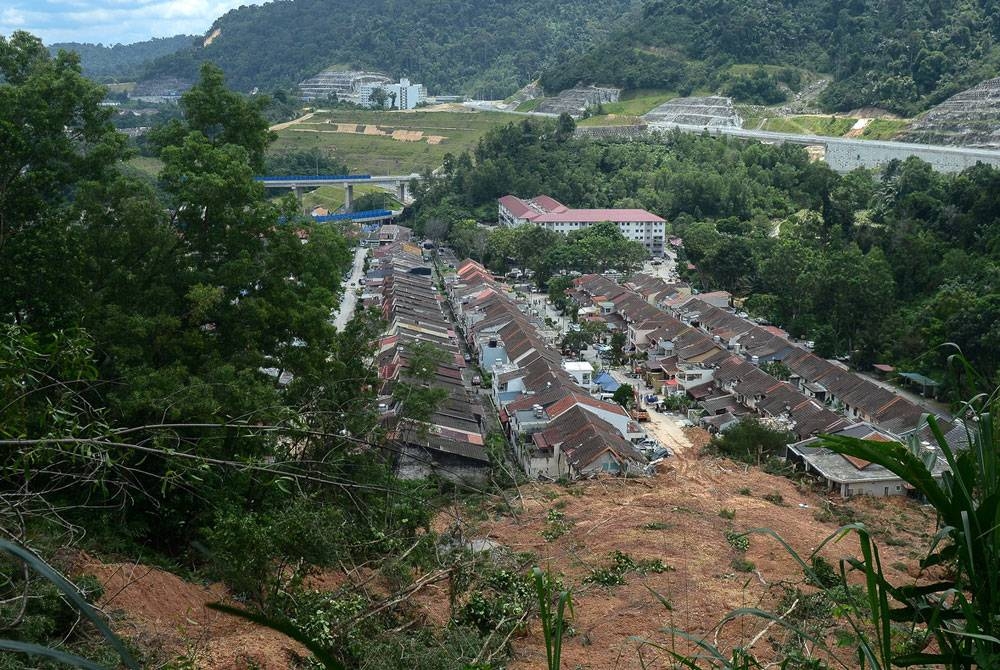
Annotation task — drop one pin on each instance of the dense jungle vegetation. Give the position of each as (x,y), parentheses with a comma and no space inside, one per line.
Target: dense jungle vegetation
(482,49)
(879,267)
(901,56)
(121,62)
(173,392)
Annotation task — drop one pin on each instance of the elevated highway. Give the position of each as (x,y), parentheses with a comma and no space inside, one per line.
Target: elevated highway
(299,184)
(845,154)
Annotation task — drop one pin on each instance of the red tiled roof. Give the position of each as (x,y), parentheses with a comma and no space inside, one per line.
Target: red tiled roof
(550,210)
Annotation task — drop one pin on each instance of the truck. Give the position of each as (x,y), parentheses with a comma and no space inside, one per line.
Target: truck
(640,414)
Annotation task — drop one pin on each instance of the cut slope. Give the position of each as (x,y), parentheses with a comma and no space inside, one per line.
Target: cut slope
(970,118)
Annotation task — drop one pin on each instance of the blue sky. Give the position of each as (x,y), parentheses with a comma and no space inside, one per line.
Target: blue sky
(112,21)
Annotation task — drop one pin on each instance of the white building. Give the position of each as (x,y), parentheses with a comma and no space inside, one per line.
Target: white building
(403,95)
(582,372)
(636,225)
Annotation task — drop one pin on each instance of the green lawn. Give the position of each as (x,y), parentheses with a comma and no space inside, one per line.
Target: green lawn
(373,154)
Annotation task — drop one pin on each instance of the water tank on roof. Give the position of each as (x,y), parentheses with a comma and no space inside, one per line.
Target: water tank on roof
(538,410)
(755,360)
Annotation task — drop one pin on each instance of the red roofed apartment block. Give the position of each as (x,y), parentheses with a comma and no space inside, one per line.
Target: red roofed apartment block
(637,225)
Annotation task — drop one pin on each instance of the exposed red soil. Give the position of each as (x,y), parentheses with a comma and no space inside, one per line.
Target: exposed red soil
(169,616)
(163,612)
(610,514)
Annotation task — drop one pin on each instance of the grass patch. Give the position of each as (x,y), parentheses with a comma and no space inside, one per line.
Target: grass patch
(622,563)
(529,105)
(556,525)
(727,513)
(828,126)
(656,525)
(741,564)
(332,197)
(639,101)
(147,165)
(884,129)
(378,154)
(774,498)
(738,541)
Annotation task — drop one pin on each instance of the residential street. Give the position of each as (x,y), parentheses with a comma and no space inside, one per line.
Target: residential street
(661,426)
(350,300)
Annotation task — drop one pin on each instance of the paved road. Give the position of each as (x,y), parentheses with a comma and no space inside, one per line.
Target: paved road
(350,300)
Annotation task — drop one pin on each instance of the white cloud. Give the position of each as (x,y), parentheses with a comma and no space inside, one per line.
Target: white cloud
(113,21)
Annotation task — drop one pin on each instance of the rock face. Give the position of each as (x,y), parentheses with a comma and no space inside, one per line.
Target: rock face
(970,118)
(709,112)
(575,100)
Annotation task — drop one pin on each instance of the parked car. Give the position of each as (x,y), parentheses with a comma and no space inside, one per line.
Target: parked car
(467,357)
(477,380)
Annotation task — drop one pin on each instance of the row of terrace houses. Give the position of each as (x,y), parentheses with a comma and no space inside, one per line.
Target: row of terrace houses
(556,427)
(449,442)
(695,347)
(858,398)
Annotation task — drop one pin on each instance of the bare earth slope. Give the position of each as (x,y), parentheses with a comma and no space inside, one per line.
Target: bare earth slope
(673,517)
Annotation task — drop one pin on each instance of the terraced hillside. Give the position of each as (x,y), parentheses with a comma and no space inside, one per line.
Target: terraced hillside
(970,118)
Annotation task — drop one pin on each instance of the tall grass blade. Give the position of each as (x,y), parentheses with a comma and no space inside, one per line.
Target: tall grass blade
(50,653)
(71,592)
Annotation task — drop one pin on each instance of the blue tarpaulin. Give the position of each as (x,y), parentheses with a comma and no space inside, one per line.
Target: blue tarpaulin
(607,382)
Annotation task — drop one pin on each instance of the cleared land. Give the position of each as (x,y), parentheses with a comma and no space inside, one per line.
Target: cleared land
(681,517)
(390,142)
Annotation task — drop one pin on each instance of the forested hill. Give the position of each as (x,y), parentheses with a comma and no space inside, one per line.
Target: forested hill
(452,46)
(902,55)
(122,61)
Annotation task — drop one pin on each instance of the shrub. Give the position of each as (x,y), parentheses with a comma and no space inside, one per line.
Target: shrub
(737,541)
(741,564)
(556,525)
(775,498)
(727,513)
